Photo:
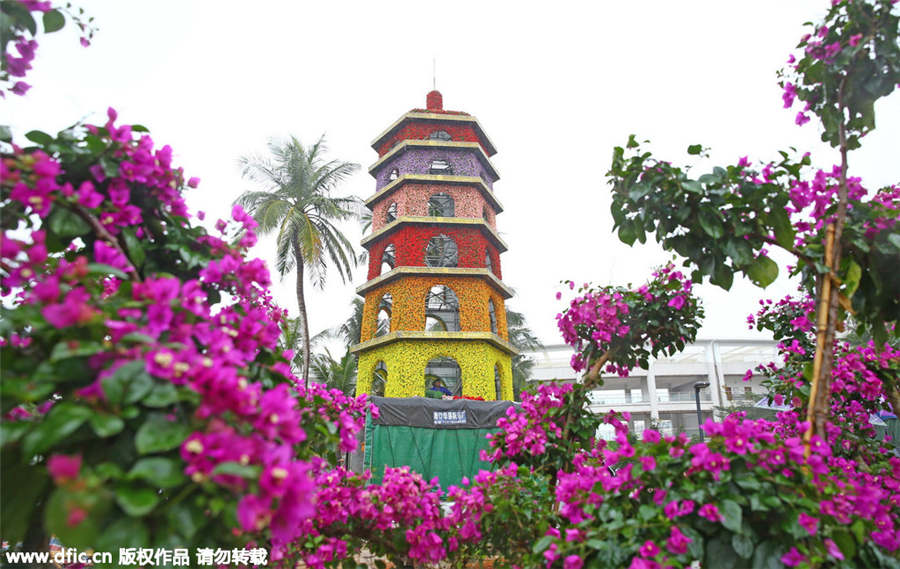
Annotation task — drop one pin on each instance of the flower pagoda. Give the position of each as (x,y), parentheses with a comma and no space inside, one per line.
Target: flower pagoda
(434,299)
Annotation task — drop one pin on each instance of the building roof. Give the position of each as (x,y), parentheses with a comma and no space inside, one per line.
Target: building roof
(434,112)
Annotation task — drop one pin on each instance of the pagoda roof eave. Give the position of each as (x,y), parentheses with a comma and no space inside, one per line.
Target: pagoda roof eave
(437,117)
(424,220)
(451,145)
(400,272)
(437,179)
(420,335)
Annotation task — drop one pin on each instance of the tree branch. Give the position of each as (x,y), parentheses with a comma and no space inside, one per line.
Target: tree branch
(106,236)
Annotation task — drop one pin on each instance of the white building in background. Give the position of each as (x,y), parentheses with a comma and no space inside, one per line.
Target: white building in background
(664,393)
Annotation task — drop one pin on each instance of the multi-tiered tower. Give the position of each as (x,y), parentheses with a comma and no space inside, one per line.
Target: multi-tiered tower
(434,299)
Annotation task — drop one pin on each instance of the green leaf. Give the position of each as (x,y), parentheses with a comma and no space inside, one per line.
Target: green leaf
(22,489)
(53,21)
(748,482)
(236,469)
(542,544)
(627,233)
(161,395)
(719,554)
(39,137)
(692,186)
(135,250)
(731,515)
(128,384)
(101,269)
(767,556)
(852,276)
(711,222)
(56,515)
(62,420)
(742,545)
(762,271)
(158,471)
(124,532)
(647,512)
(159,434)
(186,519)
(136,500)
(695,149)
(739,250)
(66,350)
(110,166)
(106,425)
(5,133)
(723,277)
(781,225)
(95,144)
(65,223)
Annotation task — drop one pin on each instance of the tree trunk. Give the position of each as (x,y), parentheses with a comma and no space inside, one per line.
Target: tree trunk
(304,323)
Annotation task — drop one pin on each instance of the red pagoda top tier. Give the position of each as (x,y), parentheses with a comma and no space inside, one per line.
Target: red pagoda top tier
(433,123)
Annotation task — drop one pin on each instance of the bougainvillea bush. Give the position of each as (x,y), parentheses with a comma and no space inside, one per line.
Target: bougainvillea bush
(145,396)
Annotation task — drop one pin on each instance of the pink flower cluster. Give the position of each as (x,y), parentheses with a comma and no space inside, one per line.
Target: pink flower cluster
(592,318)
(527,429)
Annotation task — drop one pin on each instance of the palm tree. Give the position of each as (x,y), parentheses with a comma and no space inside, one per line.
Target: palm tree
(336,374)
(296,204)
(523,338)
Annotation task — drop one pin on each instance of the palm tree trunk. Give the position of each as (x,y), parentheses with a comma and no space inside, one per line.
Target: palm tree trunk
(304,323)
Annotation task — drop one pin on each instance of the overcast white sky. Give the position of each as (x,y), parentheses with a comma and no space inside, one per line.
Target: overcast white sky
(555,85)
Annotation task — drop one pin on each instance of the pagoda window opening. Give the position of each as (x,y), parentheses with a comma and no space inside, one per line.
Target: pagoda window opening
(441,251)
(440,135)
(441,167)
(488,263)
(441,205)
(441,310)
(388,259)
(391,213)
(383,322)
(379,379)
(395,173)
(498,388)
(446,371)
(492,315)
(485,215)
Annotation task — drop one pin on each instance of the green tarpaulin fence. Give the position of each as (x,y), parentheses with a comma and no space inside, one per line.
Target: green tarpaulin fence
(435,438)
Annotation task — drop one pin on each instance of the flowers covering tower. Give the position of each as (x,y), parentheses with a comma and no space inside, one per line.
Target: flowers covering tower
(434,299)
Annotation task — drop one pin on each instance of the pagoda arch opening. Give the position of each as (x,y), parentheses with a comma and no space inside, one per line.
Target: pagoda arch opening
(441,310)
(488,262)
(447,371)
(388,259)
(440,135)
(395,173)
(391,213)
(441,251)
(440,167)
(492,315)
(379,379)
(498,383)
(385,309)
(441,205)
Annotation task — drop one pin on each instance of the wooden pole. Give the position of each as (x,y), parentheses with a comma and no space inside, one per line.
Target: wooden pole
(821,328)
